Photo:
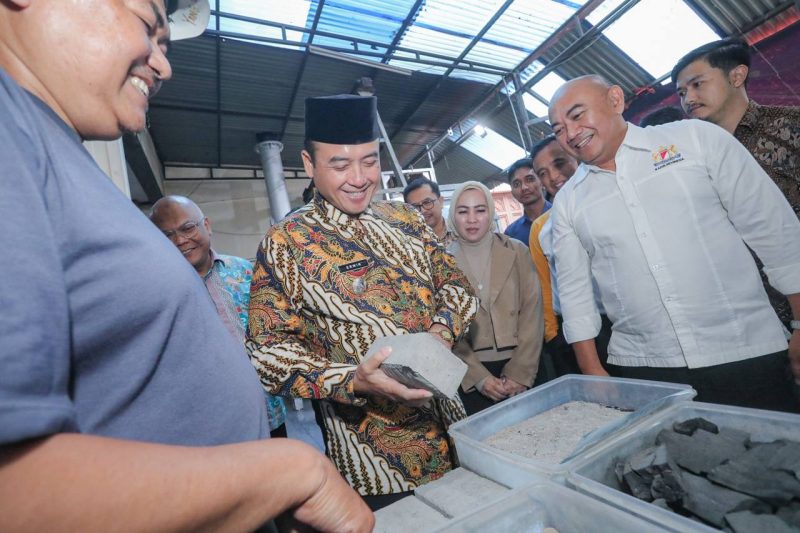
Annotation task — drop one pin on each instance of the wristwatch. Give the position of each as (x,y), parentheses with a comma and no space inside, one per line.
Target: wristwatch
(445,333)
(794,324)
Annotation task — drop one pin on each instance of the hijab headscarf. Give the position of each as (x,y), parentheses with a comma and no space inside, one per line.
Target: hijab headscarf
(474,258)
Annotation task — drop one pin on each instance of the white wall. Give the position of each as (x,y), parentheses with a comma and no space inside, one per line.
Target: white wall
(110,156)
(238,209)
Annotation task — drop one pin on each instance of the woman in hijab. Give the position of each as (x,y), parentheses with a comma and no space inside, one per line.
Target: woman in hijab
(503,344)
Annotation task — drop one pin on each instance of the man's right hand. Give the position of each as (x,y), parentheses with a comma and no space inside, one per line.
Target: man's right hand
(334,506)
(371,380)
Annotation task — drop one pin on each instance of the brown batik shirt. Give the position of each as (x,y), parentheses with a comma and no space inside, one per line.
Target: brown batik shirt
(772,135)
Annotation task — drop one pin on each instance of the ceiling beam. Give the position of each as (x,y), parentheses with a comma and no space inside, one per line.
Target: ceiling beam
(415,55)
(302,70)
(401,31)
(579,44)
(475,40)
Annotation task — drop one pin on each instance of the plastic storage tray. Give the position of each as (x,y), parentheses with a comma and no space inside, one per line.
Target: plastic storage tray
(545,504)
(593,474)
(642,397)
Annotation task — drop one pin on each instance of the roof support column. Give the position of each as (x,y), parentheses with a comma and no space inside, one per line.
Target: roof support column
(277,195)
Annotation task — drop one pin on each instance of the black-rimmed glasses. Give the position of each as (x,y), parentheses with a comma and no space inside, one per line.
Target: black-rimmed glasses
(425,204)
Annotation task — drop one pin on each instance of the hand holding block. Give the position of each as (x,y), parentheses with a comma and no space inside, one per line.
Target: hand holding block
(420,361)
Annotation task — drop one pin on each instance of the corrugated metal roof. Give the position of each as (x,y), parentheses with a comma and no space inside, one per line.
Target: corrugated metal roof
(262,88)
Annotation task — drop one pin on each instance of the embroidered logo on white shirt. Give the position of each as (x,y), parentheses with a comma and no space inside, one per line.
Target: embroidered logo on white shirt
(665,156)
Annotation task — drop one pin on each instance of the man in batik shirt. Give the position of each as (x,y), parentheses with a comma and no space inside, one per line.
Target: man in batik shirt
(712,84)
(338,274)
(226,277)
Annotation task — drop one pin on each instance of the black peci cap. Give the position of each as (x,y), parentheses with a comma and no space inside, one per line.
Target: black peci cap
(342,119)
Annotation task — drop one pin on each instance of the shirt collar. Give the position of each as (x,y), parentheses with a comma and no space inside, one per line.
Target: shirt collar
(334,213)
(751,116)
(635,138)
(215,260)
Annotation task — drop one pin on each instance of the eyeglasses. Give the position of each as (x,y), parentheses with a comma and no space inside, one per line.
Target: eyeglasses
(425,204)
(187,231)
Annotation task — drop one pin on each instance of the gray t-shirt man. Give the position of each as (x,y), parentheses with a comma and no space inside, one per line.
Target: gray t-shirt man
(105,328)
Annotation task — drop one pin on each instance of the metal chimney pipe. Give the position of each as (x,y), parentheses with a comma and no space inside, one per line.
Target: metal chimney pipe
(270,151)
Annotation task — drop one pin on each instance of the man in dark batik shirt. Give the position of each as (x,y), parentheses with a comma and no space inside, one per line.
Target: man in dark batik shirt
(712,84)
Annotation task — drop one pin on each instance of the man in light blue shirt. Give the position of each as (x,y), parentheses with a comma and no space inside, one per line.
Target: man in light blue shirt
(527,190)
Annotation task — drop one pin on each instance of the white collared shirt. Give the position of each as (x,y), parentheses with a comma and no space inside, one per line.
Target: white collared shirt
(546,242)
(664,238)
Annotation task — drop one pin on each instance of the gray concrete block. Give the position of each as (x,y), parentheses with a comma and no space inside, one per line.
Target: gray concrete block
(408,514)
(460,492)
(420,361)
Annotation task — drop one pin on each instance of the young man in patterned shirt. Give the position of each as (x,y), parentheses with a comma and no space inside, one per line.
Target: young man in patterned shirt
(226,277)
(712,84)
(338,274)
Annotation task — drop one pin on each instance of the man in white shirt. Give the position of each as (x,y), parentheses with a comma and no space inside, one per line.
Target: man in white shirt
(660,217)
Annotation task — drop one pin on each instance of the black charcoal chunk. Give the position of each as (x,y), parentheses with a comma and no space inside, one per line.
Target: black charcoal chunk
(661,502)
(750,473)
(786,458)
(688,427)
(667,486)
(702,451)
(712,502)
(748,522)
(650,474)
(790,514)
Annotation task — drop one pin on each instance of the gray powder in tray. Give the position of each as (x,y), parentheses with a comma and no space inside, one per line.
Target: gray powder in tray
(552,435)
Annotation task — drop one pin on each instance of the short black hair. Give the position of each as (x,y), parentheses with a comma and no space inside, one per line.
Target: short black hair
(525,162)
(416,183)
(540,145)
(664,115)
(725,54)
(308,146)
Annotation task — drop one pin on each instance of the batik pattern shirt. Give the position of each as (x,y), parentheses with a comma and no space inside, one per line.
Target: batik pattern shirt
(228,284)
(325,286)
(772,135)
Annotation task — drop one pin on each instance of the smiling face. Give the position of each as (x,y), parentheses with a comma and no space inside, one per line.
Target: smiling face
(184,224)
(554,167)
(428,204)
(345,174)
(586,116)
(707,92)
(472,217)
(94,62)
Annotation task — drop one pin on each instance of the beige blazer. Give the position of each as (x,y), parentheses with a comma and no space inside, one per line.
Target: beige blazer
(514,318)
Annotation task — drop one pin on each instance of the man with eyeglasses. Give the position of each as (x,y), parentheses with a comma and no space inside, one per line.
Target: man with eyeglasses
(226,277)
(423,195)
(527,190)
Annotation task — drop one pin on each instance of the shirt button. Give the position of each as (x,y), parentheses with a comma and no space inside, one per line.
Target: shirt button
(655,267)
(643,235)
(632,204)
